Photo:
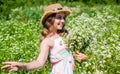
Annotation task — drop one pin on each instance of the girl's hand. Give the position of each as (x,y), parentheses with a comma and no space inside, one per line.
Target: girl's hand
(11,66)
(80,56)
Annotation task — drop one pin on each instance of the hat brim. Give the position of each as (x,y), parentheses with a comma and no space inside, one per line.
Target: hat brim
(46,14)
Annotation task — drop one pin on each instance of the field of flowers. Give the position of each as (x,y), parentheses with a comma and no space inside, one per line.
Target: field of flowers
(94,31)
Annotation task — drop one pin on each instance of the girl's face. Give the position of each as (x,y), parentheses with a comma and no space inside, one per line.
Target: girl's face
(59,21)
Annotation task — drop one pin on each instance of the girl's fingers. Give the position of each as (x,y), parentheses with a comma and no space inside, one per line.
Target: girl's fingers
(81,57)
(13,69)
(9,63)
(10,71)
(77,52)
(6,66)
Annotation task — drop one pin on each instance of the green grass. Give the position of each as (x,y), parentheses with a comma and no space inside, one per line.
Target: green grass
(94,31)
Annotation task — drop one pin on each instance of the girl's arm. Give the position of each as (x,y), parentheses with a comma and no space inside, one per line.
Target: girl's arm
(41,58)
(15,66)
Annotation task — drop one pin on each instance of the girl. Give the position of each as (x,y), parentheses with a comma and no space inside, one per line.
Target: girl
(52,45)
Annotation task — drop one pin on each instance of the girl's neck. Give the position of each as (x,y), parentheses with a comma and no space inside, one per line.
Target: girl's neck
(54,34)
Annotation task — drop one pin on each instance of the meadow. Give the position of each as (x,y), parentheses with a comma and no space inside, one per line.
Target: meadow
(93,30)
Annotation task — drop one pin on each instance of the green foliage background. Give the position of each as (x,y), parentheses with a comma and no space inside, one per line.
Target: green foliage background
(94,29)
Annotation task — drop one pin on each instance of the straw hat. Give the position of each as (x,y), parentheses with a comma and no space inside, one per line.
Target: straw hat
(53,8)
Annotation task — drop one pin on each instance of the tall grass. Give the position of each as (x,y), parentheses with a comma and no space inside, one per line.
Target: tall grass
(94,31)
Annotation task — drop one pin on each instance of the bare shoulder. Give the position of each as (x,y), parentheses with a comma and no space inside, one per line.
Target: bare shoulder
(47,41)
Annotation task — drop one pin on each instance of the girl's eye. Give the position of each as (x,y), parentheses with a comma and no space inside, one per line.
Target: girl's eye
(60,17)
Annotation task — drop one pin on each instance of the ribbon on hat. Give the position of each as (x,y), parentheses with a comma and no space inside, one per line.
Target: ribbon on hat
(58,9)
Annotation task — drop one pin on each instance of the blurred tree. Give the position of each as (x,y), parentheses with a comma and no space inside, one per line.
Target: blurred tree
(7,5)
(117,1)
